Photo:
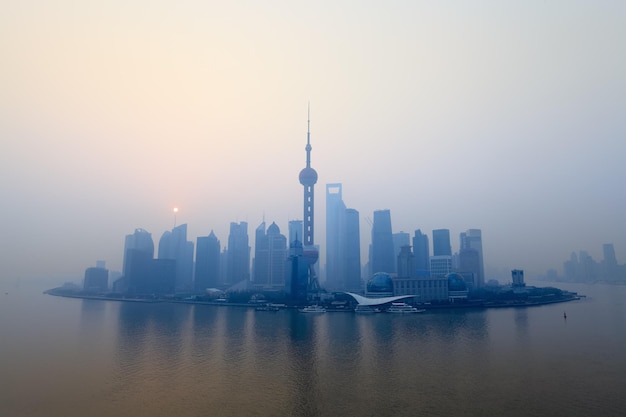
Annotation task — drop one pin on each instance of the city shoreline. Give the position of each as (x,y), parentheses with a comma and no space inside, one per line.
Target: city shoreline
(479,305)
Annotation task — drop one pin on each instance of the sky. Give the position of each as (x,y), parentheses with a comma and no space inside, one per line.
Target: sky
(502,116)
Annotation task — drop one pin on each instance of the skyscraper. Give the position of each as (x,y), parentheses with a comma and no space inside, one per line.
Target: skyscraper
(270,257)
(400,239)
(207,262)
(343,246)
(238,255)
(295,231)
(472,240)
(175,246)
(441,242)
(308,178)
(382,258)
(353,251)
(335,237)
(422,253)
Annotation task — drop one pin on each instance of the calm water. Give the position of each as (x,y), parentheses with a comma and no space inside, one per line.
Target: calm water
(67,357)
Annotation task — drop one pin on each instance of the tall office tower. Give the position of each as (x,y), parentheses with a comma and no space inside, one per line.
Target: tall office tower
(422,254)
(472,239)
(353,251)
(382,258)
(400,239)
(207,262)
(297,273)
(174,245)
(278,254)
(406,262)
(441,243)
(138,253)
(270,256)
(335,238)
(238,268)
(96,280)
(260,262)
(469,266)
(609,263)
(587,267)
(295,231)
(308,178)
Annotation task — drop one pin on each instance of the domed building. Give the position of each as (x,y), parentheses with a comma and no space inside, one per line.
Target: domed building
(457,287)
(380,285)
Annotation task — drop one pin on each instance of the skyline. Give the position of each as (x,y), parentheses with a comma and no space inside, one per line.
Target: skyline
(504,118)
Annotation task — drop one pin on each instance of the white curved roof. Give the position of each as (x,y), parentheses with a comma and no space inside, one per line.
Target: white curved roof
(364,301)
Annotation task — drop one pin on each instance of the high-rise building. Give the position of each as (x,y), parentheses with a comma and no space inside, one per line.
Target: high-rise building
(406,262)
(96,280)
(353,251)
(140,241)
(400,239)
(610,270)
(335,237)
(422,254)
(343,247)
(207,262)
(441,242)
(270,257)
(138,252)
(295,231)
(297,273)
(472,240)
(308,178)
(382,257)
(174,246)
(238,258)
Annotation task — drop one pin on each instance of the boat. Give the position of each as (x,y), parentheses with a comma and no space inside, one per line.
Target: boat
(267,307)
(403,308)
(313,309)
(363,309)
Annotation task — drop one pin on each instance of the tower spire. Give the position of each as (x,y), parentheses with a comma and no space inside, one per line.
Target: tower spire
(308,136)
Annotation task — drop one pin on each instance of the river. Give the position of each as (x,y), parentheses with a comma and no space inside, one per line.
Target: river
(73,357)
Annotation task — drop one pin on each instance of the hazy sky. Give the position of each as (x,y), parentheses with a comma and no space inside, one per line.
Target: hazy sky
(503,116)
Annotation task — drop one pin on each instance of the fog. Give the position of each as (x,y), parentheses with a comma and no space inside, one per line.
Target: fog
(502,117)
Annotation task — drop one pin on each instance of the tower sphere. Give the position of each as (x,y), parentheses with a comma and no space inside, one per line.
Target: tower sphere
(308,176)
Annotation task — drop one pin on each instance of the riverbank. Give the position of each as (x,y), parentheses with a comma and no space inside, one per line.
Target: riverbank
(479,304)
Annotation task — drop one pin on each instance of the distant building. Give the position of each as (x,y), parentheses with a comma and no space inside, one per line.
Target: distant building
(335,238)
(353,251)
(469,266)
(295,231)
(440,265)
(400,239)
(441,242)
(96,280)
(297,274)
(472,240)
(457,287)
(138,253)
(174,246)
(343,246)
(270,257)
(379,286)
(517,276)
(382,255)
(425,289)
(238,267)
(406,263)
(422,254)
(207,273)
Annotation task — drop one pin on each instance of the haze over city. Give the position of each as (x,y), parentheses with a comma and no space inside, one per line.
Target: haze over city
(500,117)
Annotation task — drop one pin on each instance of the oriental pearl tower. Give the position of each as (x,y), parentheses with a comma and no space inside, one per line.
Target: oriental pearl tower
(308,178)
